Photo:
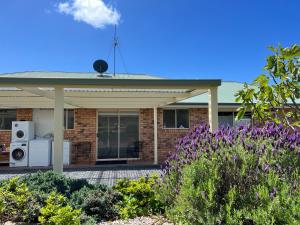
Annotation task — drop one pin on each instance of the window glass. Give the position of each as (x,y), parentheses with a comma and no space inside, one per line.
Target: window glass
(182,116)
(228,119)
(176,118)
(69,119)
(169,118)
(245,121)
(6,118)
(225,119)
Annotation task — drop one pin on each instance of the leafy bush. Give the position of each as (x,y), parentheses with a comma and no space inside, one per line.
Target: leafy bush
(97,202)
(17,203)
(47,182)
(234,176)
(139,197)
(58,212)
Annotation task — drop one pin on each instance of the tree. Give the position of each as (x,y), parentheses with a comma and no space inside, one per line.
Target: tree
(273,96)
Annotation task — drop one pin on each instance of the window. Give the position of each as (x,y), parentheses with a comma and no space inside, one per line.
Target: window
(6,118)
(246,120)
(228,119)
(69,119)
(176,118)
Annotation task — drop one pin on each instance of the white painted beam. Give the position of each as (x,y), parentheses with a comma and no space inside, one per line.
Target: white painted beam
(213,108)
(46,94)
(183,97)
(124,94)
(58,130)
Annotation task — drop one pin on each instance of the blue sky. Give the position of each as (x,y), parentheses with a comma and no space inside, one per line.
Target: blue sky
(224,39)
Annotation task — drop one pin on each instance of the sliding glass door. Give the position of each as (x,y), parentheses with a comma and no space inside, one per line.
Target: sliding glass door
(118,135)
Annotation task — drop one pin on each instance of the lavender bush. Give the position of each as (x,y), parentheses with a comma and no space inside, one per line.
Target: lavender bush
(242,175)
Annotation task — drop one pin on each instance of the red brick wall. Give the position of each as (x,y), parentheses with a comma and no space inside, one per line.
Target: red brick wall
(22,114)
(146,136)
(166,137)
(84,130)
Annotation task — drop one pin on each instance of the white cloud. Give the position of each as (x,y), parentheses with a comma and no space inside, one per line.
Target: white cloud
(93,12)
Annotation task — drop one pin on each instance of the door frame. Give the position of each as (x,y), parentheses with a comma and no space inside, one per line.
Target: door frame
(117,111)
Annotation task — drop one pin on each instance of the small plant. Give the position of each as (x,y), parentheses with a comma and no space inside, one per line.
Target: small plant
(58,212)
(139,197)
(17,203)
(47,182)
(98,202)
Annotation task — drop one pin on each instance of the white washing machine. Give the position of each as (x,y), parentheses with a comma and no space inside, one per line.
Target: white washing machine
(18,154)
(66,152)
(39,152)
(22,131)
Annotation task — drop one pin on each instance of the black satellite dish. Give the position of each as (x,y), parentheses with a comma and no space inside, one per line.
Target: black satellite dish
(100,66)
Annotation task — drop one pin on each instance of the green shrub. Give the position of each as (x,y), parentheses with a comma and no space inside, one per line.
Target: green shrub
(97,202)
(139,197)
(58,212)
(252,179)
(239,175)
(47,182)
(218,191)
(87,220)
(17,203)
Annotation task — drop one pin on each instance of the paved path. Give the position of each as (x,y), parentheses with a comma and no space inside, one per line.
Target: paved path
(102,175)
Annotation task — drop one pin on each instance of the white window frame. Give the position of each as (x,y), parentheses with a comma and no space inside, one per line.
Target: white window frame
(66,122)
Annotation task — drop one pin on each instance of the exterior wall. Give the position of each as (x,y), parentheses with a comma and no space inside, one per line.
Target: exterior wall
(22,114)
(166,137)
(84,130)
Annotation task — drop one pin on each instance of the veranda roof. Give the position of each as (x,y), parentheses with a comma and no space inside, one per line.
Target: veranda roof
(89,90)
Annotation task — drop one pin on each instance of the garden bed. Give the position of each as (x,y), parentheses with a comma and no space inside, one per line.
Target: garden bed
(143,220)
(242,175)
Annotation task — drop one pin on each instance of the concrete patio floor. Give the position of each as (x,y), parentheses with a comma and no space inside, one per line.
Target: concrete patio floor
(107,175)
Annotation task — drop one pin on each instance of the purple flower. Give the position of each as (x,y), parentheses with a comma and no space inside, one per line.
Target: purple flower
(234,158)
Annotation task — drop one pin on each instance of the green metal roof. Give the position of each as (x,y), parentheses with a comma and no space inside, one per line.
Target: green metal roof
(226,93)
(43,74)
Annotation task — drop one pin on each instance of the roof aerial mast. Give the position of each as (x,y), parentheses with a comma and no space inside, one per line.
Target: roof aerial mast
(115,47)
(101,66)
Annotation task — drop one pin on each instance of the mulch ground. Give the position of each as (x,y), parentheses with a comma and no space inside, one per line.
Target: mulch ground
(152,220)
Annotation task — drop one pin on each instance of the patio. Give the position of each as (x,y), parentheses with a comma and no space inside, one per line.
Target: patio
(107,175)
(61,91)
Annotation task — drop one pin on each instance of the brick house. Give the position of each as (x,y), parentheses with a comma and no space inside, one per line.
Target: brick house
(133,119)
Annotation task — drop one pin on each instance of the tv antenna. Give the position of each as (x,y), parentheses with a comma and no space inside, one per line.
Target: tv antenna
(115,43)
(116,50)
(101,66)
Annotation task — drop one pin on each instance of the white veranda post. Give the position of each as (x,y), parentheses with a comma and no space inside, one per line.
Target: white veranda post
(58,130)
(213,108)
(155,134)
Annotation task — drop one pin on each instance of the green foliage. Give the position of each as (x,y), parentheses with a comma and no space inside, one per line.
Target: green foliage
(275,92)
(235,185)
(47,182)
(97,202)
(139,197)
(17,203)
(58,212)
